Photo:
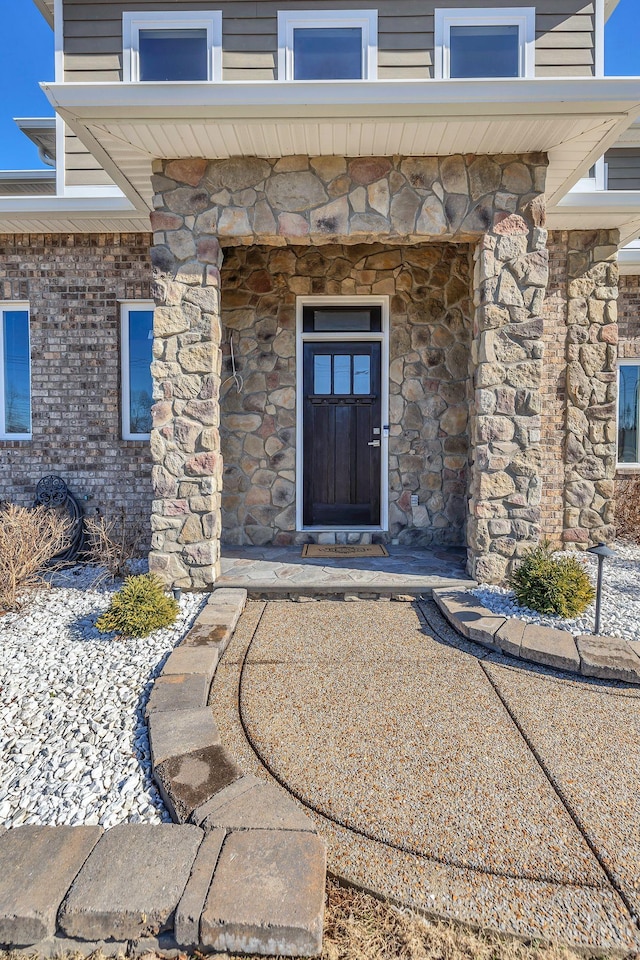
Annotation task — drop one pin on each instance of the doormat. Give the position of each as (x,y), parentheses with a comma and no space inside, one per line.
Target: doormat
(320,550)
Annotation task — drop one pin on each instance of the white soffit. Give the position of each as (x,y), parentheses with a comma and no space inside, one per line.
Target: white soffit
(598,210)
(70,215)
(127,126)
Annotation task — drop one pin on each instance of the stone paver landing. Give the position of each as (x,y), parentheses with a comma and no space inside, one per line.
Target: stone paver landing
(282,571)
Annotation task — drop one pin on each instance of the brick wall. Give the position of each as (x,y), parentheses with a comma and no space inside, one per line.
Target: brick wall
(629,317)
(73,285)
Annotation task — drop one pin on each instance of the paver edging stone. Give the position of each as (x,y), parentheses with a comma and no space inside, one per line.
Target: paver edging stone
(141,887)
(608,658)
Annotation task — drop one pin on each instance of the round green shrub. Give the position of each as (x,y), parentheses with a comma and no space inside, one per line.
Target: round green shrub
(139,608)
(551,584)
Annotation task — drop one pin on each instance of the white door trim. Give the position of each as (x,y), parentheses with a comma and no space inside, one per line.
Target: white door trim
(355,336)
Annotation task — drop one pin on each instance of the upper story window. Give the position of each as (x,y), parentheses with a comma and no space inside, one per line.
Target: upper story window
(136,354)
(172,46)
(15,372)
(327,45)
(629,413)
(472,43)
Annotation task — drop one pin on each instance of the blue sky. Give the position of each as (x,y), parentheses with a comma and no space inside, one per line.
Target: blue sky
(20,95)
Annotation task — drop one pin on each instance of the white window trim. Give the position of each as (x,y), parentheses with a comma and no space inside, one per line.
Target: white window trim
(6,306)
(366,20)
(381,337)
(622,467)
(132,23)
(522,17)
(126,306)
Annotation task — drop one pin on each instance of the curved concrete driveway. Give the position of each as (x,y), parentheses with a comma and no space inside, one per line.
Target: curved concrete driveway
(448,779)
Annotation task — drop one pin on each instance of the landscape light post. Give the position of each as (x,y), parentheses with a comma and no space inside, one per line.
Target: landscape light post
(601,551)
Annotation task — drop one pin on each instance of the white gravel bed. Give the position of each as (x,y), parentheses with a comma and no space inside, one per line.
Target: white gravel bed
(620,614)
(74,744)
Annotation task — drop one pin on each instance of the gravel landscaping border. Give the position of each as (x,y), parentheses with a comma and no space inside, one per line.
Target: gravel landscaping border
(606,658)
(242,868)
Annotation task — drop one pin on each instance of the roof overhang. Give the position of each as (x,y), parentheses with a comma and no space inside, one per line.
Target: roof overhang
(598,210)
(609,7)
(46,214)
(128,125)
(42,132)
(24,182)
(46,9)
(629,259)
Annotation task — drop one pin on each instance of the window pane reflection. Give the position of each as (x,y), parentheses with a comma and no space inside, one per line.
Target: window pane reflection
(17,387)
(140,386)
(327,53)
(342,374)
(173,54)
(628,414)
(489,51)
(362,375)
(322,374)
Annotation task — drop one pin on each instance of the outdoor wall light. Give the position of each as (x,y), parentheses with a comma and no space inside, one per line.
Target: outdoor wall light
(601,551)
(177,593)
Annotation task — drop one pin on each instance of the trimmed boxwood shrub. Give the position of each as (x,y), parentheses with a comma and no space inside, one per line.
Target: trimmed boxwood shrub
(139,608)
(550,584)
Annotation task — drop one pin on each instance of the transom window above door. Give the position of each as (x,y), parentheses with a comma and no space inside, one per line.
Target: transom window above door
(474,44)
(170,46)
(327,45)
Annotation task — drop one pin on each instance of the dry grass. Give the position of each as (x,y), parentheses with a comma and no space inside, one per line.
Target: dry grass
(628,509)
(29,539)
(359,927)
(114,541)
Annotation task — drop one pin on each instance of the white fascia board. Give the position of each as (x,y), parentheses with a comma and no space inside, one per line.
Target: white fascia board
(601,201)
(37,208)
(27,174)
(372,97)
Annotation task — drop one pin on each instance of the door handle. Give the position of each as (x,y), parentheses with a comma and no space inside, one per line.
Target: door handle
(373,443)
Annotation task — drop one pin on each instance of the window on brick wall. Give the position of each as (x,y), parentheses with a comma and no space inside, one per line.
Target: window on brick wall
(629,412)
(15,372)
(136,346)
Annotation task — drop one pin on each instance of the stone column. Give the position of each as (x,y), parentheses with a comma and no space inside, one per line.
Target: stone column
(185,439)
(592,336)
(511,274)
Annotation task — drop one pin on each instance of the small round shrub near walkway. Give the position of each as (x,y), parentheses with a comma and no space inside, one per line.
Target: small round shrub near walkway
(552,584)
(139,608)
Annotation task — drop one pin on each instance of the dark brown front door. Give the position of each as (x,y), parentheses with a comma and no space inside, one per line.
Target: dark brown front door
(342,434)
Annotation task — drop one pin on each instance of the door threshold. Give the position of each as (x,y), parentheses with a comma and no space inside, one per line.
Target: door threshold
(342,530)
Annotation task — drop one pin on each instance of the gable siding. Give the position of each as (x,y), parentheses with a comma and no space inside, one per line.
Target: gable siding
(93,35)
(623,168)
(93,43)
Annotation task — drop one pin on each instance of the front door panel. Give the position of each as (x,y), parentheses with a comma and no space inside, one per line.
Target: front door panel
(342,434)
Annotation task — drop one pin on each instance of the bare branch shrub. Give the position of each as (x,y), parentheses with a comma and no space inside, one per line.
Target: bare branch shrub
(114,541)
(628,509)
(29,540)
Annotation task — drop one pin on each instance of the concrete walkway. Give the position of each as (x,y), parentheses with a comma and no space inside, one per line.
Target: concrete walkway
(280,571)
(443,776)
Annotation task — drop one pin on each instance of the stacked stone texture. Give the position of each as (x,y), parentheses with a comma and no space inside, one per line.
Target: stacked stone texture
(244,201)
(592,338)
(73,284)
(511,275)
(431,316)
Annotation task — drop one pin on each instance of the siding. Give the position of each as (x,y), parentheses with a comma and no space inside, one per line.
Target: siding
(93,35)
(81,167)
(624,168)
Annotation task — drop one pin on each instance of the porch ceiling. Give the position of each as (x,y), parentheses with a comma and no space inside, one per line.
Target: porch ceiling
(127,126)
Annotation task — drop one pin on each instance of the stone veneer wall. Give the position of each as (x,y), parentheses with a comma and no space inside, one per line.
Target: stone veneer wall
(629,317)
(430,345)
(73,284)
(592,338)
(554,391)
(496,202)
